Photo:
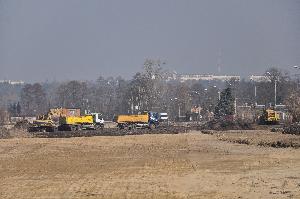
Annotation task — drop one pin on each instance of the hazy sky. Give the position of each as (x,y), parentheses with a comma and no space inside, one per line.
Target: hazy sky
(83,39)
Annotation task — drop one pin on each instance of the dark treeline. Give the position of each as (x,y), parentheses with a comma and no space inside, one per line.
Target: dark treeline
(151,89)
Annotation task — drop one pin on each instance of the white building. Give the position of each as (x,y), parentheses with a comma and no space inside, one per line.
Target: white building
(207,77)
(259,78)
(11,82)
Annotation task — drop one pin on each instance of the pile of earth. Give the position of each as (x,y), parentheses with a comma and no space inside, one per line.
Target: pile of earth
(223,125)
(292,129)
(4,133)
(24,124)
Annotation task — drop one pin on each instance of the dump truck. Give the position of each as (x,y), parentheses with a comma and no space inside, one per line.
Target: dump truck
(144,120)
(91,122)
(269,117)
(75,123)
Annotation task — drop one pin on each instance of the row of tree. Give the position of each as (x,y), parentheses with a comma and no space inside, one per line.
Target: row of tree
(152,90)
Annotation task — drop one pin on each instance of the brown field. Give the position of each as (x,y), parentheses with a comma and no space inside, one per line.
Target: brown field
(191,165)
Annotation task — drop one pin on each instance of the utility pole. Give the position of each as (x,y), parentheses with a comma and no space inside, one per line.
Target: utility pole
(235,106)
(297,67)
(255,94)
(275,91)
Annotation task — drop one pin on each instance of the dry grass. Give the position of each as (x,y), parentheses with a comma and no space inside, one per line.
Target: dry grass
(191,165)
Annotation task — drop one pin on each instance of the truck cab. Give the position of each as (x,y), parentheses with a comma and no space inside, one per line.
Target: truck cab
(153,119)
(98,120)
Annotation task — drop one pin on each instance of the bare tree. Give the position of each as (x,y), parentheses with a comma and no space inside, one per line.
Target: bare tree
(146,90)
(72,94)
(293,104)
(278,81)
(181,102)
(33,99)
(4,116)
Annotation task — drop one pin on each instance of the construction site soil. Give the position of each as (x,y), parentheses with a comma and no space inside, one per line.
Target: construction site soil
(111,132)
(187,164)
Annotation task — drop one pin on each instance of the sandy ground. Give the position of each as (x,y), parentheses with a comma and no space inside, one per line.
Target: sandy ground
(191,165)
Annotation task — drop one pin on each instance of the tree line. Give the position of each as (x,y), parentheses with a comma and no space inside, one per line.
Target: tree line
(152,89)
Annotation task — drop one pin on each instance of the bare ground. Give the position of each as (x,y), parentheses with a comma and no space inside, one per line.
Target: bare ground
(190,165)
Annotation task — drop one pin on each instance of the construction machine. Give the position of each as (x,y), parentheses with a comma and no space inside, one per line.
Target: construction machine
(269,117)
(88,122)
(42,126)
(63,119)
(144,120)
(50,121)
(98,120)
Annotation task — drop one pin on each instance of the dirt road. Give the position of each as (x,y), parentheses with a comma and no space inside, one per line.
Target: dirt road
(190,165)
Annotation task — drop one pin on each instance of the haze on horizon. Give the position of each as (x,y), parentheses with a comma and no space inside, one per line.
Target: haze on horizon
(76,39)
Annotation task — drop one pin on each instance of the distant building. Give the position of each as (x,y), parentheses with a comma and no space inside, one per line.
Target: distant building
(259,78)
(207,77)
(11,82)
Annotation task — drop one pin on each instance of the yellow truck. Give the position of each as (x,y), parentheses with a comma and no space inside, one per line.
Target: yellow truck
(91,121)
(145,120)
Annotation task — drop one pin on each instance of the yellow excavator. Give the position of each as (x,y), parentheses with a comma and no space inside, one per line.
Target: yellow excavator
(269,117)
(50,121)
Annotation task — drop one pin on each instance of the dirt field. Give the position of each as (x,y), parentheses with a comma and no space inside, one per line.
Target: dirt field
(191,165)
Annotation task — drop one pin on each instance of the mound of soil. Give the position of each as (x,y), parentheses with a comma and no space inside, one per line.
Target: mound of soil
(292,129)
(13,133)
(4,133)
(222,125)
(24,124)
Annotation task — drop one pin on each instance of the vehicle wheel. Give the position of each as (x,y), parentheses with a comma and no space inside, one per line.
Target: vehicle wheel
(79,128)
(99,127)
(152,126)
